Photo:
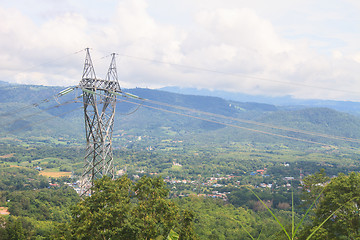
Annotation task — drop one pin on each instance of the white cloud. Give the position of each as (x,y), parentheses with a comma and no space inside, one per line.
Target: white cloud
(236,37)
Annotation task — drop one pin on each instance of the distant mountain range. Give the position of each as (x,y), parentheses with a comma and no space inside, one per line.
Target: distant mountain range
(24,115)
(286,101)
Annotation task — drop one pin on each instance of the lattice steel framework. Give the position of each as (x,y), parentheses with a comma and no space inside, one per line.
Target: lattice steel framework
(99,111)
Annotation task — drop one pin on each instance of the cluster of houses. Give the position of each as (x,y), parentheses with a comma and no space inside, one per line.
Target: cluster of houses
(259,172)
(216,194)
(212,182)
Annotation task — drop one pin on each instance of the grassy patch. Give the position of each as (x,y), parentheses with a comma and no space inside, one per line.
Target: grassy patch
(55,174)
(176,168)
(8,155)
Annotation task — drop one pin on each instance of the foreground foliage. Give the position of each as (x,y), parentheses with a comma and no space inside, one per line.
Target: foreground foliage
(340,201)
(140,209)
(216,219)
(120,209)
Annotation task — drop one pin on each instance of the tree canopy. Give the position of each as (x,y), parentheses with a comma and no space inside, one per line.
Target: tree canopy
(338,209)
(121,209)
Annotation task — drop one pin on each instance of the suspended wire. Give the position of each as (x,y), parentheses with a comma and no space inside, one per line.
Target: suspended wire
(15,111)
(134,111)
(257,123)
(209,120)
(238,74)
(219,116)
(190,67)
(222,123)
(236,126)
(198,69)
(212,114)
(10,113)
(43,110)
(74,100)
(204,119)
(42,121)
(230,125)
(42,64)
(242,120)
(41,101)
(115,94)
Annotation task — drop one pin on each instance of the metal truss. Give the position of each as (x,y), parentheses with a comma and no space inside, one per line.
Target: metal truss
(99,111)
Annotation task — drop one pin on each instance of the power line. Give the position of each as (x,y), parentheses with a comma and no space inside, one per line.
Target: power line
(238,74)
(212,114)
(54,97)
(240,120)
(42,121)
(228,124)
(43,110)
(257,123)
(214,121)
(197,69)
(42,64)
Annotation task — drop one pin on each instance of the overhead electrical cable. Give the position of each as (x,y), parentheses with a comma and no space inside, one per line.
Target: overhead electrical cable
(199,69)
(15,111)
(54,97)
(42,121)
(181,114)
(228,124)
(202,112)
(42,110)
(63,92)
(256,123)
(238,74)
(41,64)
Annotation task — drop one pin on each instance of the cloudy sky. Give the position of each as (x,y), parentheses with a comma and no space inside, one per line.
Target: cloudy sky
(306,49)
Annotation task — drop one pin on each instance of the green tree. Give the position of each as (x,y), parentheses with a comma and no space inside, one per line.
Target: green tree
(341,201)
(119,209)
(153,215)
(3,232)
(14,230)
(312,187)
(61,231)
(104,215)
(187,229)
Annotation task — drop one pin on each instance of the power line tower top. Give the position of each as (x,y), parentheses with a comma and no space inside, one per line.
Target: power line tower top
(89,80)
(99,112)
(111,75)
(89,71)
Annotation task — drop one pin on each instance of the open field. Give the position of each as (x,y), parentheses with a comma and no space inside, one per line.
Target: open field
(17,166)
(8,155)
(55,174)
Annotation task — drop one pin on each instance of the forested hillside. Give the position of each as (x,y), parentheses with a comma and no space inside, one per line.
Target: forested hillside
(164,115)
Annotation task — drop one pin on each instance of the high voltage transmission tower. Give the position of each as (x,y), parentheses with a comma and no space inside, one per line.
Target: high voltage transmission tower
(99,97)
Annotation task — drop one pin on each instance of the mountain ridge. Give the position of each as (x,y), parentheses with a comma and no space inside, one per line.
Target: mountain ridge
(287,102)
(157,125)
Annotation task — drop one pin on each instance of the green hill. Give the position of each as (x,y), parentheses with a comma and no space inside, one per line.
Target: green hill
(46,120)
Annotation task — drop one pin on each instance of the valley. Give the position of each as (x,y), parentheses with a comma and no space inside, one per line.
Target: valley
(208,151)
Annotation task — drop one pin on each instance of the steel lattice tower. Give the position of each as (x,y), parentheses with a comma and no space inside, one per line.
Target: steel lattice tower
(99,111)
